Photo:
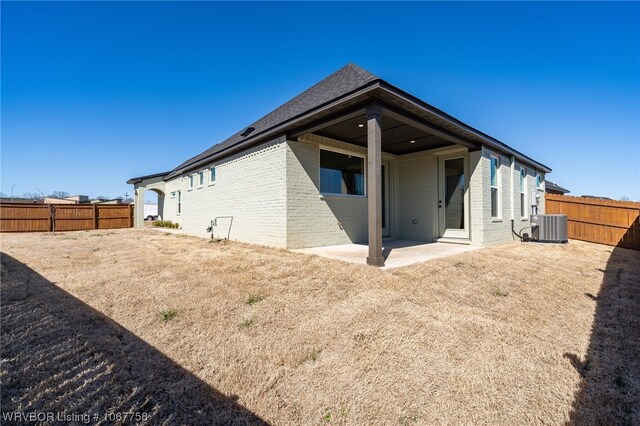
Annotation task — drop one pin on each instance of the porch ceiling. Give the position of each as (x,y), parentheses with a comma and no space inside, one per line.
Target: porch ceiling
(397,136)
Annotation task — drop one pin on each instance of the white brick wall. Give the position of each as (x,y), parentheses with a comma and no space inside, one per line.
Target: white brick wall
(485,229)
(311,221)
(417,197)
(272,192)
(249,186)
(477,191)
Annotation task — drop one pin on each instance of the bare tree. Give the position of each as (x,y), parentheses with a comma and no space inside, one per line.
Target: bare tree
(32,196)
(59,194)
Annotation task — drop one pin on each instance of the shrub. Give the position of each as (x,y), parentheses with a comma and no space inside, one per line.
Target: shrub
(165,224)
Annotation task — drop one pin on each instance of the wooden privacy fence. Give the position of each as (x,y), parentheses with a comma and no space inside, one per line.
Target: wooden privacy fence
(16,217)
(615,223)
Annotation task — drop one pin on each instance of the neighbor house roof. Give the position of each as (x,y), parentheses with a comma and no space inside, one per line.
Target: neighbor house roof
(346,86)
(554,187)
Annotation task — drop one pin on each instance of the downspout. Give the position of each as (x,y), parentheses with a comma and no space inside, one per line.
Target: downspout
(513,173)
(522,237)
(513,187)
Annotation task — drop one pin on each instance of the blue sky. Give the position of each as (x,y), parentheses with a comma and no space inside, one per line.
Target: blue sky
(95,93)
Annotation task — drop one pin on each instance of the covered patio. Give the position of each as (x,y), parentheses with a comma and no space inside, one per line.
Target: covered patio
(394,132)
(396,253)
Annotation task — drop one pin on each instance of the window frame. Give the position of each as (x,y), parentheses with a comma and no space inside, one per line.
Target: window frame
(497,187)
(539,181)
(190,181)
(200,178)
(343,152)
(212,176)
(178,202)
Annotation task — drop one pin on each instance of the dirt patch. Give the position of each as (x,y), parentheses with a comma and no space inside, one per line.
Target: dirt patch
(498,335)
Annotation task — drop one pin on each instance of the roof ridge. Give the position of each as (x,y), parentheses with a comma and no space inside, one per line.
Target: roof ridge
(361,71)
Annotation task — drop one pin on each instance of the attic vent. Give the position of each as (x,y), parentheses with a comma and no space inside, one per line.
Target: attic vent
(247,131)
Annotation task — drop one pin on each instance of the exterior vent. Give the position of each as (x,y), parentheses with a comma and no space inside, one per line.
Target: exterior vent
(246,132)
(549,228)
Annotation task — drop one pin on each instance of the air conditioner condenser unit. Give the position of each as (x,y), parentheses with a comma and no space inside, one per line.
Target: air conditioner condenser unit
(549,228)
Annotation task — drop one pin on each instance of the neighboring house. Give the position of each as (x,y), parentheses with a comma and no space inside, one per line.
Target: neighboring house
(353,159)
(18,200)
(78,198)
(54,200)
(597,197)
(106,201)
(554,188)
(72,199)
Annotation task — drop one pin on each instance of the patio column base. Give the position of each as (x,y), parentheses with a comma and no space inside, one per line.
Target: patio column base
(375,261)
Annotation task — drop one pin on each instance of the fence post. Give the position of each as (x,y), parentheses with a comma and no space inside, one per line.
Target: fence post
(52,218)
(95,216)
(130,215)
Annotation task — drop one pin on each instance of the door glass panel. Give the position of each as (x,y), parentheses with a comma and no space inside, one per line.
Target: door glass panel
(454,193)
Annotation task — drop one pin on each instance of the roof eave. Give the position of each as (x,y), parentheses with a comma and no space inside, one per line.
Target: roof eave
(488,140)
(278,130)
(369,88)
(139,179)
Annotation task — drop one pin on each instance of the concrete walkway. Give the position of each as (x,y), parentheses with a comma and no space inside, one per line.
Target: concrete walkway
(397,253)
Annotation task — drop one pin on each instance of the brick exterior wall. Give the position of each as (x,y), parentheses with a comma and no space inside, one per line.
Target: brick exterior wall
(250,186)
(485,229)
(272,192)
(312,221)
(417,197)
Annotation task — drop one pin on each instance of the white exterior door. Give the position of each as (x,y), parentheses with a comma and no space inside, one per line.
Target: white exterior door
(453,196)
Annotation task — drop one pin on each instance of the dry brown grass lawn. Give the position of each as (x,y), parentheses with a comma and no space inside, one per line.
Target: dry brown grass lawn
(512,334)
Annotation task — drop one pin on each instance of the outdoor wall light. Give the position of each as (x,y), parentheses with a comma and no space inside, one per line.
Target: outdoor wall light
(360,125)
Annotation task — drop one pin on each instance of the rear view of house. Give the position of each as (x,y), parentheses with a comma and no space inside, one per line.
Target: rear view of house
(353,159)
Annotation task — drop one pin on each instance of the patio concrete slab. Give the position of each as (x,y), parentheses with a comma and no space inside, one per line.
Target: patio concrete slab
(396,252)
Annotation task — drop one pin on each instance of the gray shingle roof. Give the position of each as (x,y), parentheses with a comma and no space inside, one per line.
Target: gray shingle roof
(346,80)
(552,186)
(339,85)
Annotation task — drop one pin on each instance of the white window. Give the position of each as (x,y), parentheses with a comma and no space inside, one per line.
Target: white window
(523,190)
(200,179)
(495,187)
(179,202)
(341,173)
(212,174)
(539,181)
(190,181)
